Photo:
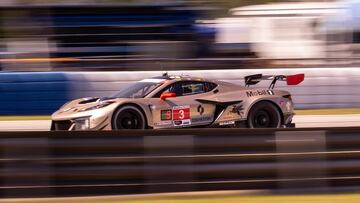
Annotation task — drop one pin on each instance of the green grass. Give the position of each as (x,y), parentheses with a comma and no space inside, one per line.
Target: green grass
(210,198)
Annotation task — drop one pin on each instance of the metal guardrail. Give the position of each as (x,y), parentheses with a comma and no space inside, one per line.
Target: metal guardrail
(128,162)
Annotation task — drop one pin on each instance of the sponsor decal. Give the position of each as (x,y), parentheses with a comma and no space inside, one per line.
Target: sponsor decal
(166,114)
(200,109)
(162,123)
(259,93)
(177,123)
(181,112)
(181,115)
(186,122)
(237,109)
(227,123)
(182,122)
(178,116)
(201,119)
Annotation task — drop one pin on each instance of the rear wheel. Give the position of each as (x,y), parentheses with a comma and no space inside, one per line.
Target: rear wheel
(264,115)
(128,117)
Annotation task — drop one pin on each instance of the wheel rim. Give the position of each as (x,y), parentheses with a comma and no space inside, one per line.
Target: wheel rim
(264,115)
(128,119)
(262,119)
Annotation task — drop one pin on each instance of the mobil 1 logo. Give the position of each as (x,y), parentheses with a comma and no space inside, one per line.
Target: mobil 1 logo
(259,93)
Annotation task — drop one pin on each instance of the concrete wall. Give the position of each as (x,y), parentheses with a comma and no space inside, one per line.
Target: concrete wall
(44,92)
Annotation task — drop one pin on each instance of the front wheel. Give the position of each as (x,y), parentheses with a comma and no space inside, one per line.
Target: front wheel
(264,115)
(128,117)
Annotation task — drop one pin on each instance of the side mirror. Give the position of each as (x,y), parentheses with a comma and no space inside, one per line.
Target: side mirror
(166,95)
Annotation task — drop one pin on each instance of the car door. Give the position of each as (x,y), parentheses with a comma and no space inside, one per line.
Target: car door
(183,110)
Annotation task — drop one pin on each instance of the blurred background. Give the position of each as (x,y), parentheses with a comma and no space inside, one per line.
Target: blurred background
(38,35)
(59,50)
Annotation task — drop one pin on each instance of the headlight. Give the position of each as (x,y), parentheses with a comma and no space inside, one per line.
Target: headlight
(99,106)
(82,123)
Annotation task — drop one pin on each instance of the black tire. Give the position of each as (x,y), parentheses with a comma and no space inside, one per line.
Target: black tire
(128,117)
(264,114)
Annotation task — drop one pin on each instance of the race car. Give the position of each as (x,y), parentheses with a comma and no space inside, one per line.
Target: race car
(183,102)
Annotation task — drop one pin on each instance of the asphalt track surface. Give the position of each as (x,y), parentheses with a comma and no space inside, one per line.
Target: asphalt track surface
(301,121)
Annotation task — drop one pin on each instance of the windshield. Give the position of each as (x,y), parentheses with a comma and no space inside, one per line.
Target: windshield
(137,90)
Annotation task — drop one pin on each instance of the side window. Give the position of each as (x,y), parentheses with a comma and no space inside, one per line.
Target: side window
(209,86)
(186,88)
(190,88)
(175,87)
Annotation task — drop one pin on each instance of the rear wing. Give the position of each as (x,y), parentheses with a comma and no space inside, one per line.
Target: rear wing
(290,79)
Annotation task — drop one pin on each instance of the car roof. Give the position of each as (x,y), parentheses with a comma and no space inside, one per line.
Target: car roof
(177,78)
(181,78)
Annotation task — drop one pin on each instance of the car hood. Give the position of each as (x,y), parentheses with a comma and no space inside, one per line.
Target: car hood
(84,107)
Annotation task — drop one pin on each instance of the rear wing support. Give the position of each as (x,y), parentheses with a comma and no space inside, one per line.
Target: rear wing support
(290,79)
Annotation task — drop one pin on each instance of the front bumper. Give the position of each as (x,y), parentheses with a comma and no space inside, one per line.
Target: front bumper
(70,125)
(80,124)
(288,120)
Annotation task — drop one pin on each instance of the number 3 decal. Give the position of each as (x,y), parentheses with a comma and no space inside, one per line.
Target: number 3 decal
(181,113)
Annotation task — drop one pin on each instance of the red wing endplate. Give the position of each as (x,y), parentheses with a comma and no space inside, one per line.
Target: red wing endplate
(295,79)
